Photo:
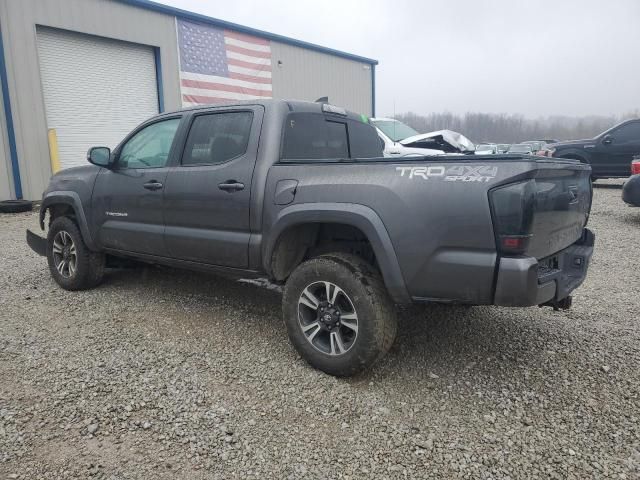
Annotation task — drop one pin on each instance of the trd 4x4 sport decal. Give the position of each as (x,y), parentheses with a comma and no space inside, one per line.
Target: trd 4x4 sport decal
(456,173)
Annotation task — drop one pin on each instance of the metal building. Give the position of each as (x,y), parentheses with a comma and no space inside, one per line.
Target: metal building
(77,73)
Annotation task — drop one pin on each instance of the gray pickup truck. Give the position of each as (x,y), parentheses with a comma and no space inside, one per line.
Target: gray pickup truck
(301,193)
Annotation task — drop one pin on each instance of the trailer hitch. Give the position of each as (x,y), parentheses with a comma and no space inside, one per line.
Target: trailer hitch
(562,304)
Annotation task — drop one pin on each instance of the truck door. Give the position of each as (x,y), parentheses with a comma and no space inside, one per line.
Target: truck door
(127,199)
(616,150)
(207,195)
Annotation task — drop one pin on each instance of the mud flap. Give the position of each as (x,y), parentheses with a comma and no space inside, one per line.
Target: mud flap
(37,243)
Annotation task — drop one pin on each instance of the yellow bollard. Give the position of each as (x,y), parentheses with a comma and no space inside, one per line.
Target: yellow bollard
(53,150)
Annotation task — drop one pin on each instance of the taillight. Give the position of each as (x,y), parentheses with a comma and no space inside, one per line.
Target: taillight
(513,208)
(635,167)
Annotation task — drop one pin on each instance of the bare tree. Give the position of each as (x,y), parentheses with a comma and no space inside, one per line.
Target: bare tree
(513,128)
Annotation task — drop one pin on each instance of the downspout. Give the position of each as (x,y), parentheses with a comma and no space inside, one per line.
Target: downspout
(373,90)
(159,83)
(13,152)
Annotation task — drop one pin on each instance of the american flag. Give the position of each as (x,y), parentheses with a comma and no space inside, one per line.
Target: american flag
(219,65)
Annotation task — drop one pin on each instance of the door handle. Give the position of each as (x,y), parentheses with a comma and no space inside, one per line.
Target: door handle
(231,186)
(153,185)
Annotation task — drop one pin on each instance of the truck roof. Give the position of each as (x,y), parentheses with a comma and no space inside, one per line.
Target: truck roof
(291,105)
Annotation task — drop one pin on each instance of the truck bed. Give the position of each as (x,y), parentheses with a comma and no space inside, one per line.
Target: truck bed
(437,212)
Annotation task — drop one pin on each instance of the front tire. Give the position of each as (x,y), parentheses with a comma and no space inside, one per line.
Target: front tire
(338,314)
(72,265)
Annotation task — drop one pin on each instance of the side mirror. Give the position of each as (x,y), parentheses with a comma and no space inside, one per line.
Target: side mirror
(607,140)
(100,156)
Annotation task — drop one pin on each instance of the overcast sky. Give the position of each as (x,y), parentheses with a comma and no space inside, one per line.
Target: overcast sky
(535,57)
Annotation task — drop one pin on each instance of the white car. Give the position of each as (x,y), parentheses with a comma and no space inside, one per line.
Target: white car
(486,149)
(400,140)
(522,148)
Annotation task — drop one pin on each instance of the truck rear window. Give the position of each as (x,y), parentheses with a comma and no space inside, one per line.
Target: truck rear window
(314,136)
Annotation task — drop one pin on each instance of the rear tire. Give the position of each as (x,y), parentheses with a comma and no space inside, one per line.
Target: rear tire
(338,314)
(72,265)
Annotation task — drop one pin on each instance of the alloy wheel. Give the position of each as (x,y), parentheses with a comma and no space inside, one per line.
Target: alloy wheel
(65,257)
(328,318)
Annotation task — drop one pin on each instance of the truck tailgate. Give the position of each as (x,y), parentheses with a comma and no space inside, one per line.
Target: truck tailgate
(563,202)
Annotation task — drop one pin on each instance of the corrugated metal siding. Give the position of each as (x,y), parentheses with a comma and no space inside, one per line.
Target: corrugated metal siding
(304,74)
(6,191)
(309,75)
(105,18)
(95,90)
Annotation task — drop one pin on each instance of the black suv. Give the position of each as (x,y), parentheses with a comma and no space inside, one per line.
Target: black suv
(609,154)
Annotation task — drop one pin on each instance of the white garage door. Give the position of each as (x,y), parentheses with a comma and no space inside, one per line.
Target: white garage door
(95,90)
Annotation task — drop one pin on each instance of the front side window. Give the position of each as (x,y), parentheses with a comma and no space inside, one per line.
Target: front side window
(627,133)
(217,138)
(150,147)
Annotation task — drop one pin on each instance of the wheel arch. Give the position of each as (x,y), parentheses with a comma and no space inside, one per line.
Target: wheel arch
(298,223)
(68,200)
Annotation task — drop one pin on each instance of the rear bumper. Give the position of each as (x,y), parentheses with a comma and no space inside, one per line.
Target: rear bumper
(526,281)
(631,191)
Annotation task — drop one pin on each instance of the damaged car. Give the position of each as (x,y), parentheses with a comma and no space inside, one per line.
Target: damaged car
(400,139)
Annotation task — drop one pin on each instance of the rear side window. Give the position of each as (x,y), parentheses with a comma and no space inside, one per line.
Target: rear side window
(217,138)
(364,140)
(311,136)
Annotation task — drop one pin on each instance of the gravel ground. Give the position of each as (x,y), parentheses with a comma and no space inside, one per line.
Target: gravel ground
(160,373)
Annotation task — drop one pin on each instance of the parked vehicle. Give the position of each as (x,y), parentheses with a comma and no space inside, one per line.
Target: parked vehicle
(503,147)
(521,148)
(486,149)
(391,132)
(631,188)
(403,137)
(536,145)
(609,154)
(300,193)
(446,140)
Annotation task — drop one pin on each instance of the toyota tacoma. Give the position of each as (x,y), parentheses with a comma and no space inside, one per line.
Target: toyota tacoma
(301,193)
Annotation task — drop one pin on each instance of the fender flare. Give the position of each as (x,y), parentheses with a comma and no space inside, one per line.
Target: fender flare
(359,216)
(67,197)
